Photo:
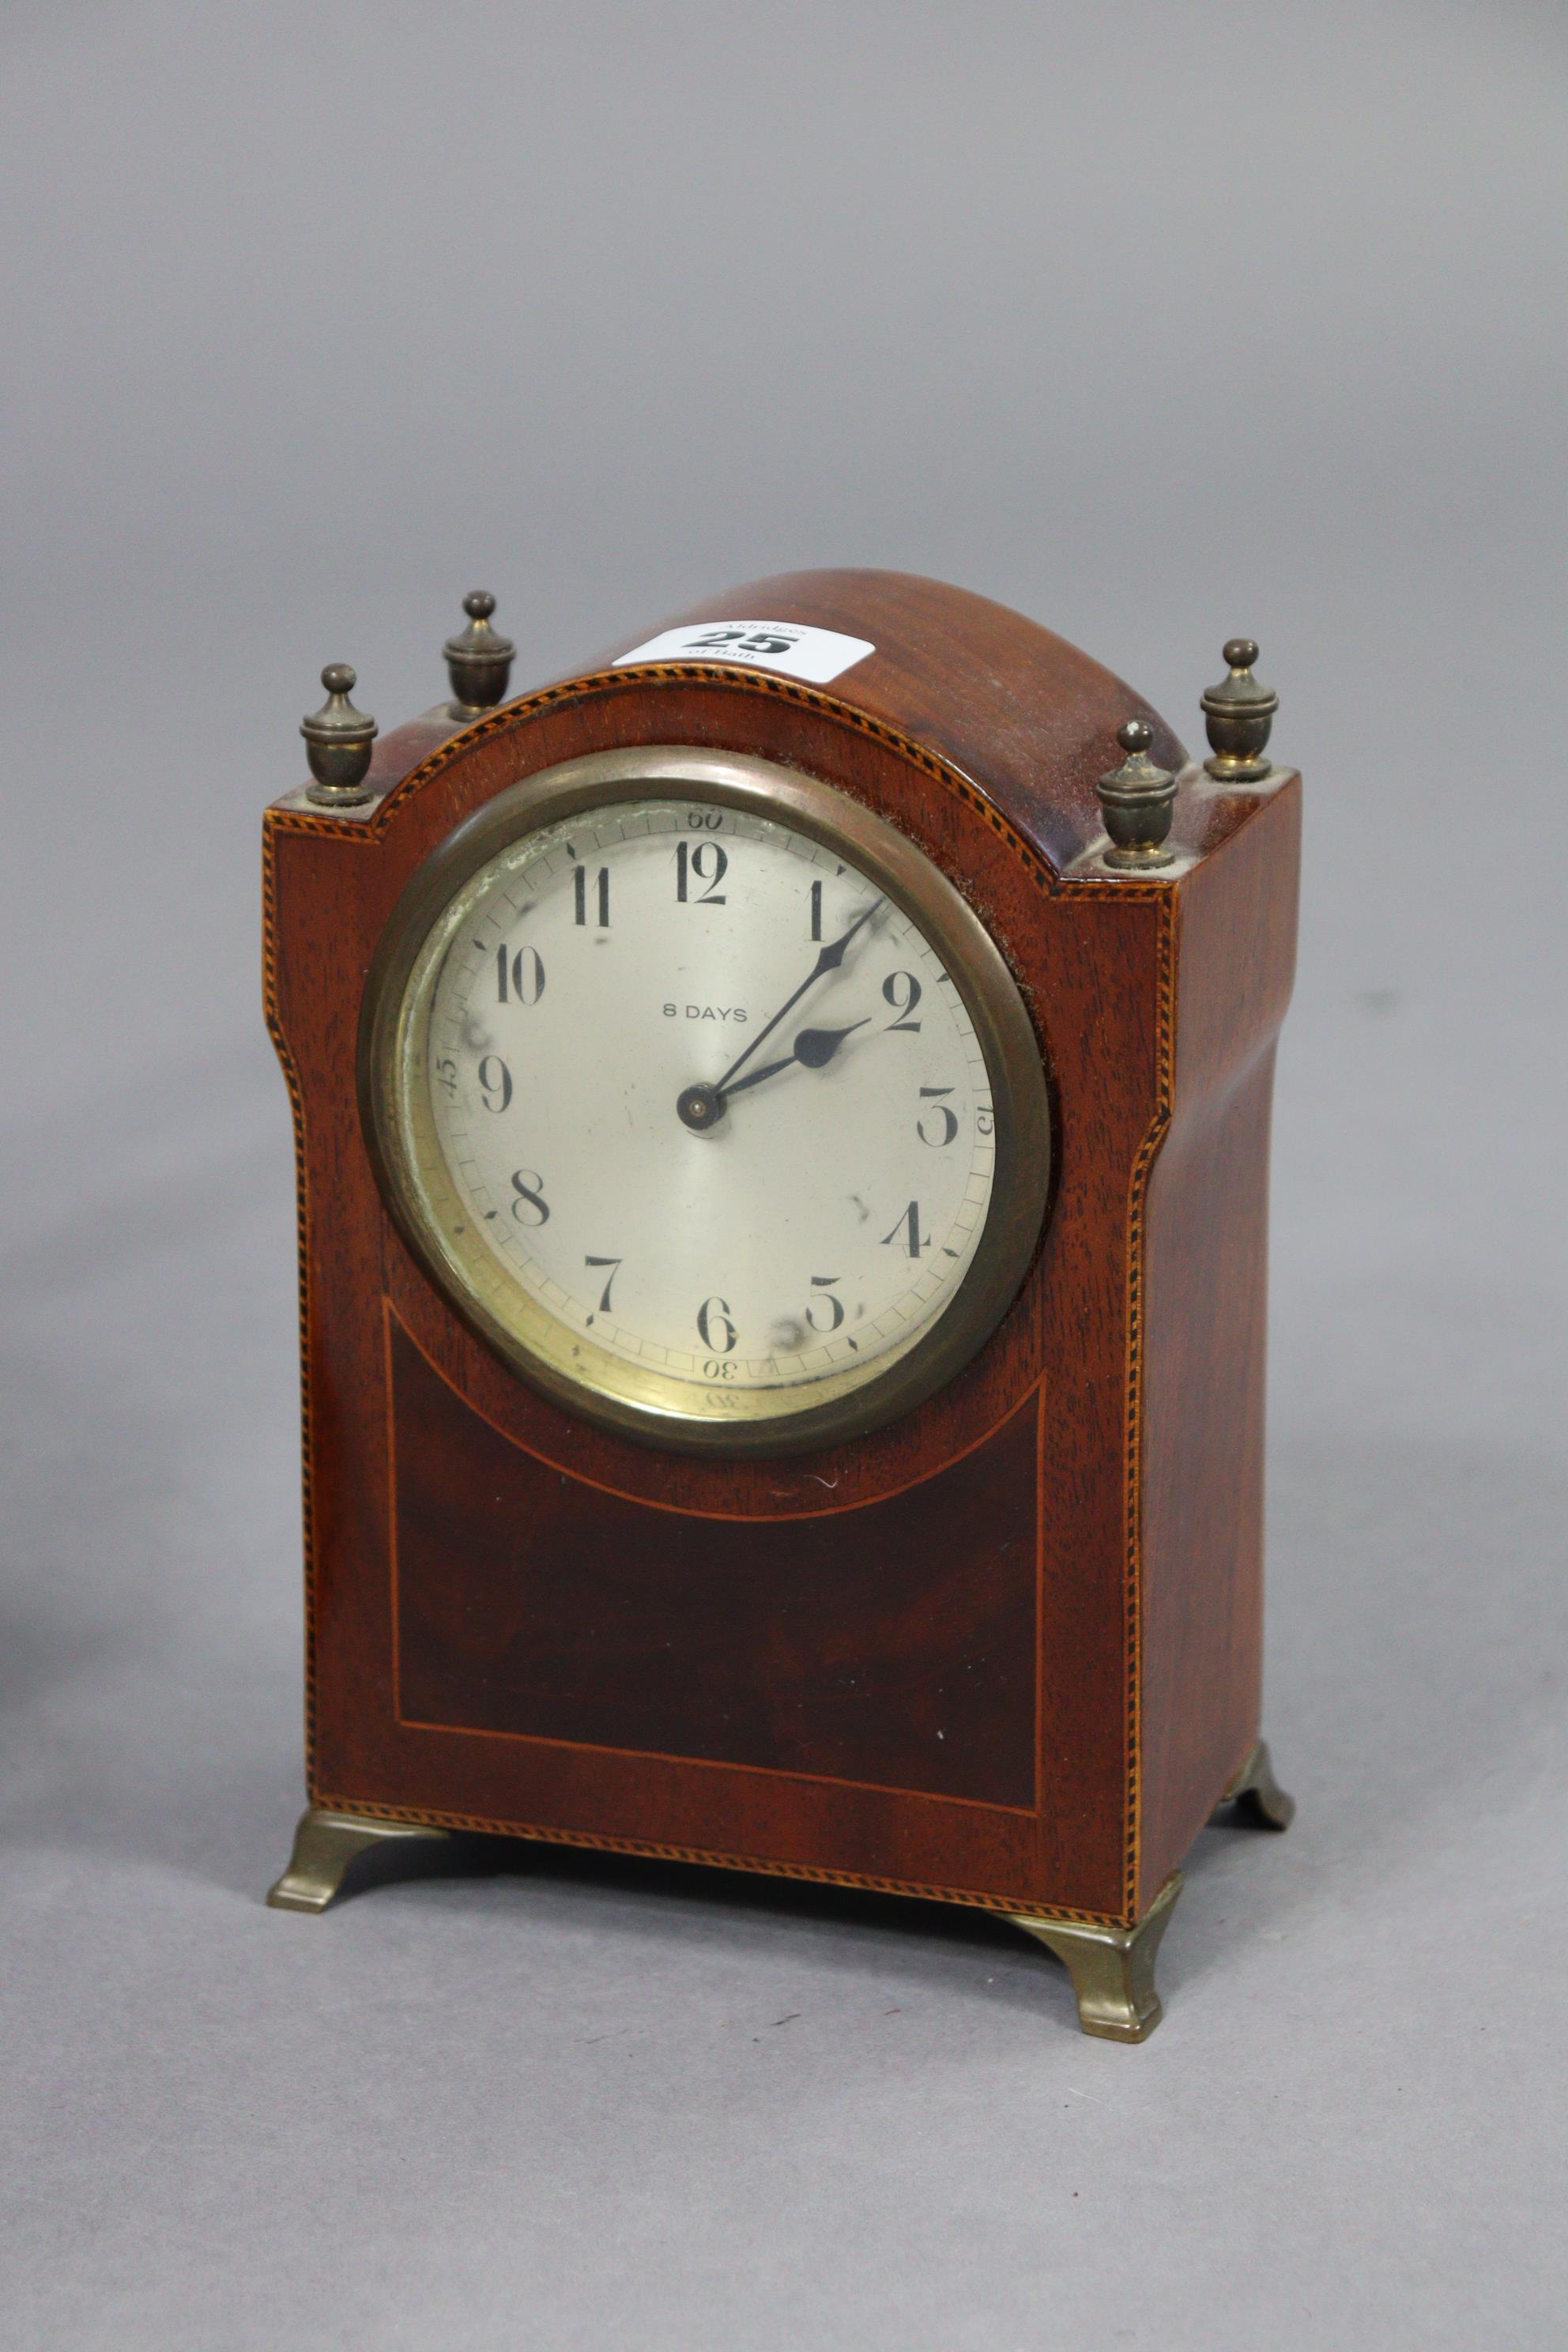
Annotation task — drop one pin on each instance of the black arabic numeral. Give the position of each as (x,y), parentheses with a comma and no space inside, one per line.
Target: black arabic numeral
(906,1234)
(447,1073)
(824,1282)
(707,864)
(530,1207)
(715,1325)
(523,977)
(495,1078)
(614,1265)
(902,991)
(984,1120)
(601,892)
(944,1111)
(816,910)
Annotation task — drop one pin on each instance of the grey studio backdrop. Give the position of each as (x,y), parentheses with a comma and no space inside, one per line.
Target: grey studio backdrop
(1159,323)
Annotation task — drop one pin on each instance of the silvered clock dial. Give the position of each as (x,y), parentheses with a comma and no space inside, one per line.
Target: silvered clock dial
(707,1099)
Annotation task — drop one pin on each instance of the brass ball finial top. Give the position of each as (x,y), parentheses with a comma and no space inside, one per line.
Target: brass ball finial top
(1239,712)
(479,660)
(337,742)
(1137,801)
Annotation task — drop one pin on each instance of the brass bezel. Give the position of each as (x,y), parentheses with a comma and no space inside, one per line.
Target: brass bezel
(641,1401)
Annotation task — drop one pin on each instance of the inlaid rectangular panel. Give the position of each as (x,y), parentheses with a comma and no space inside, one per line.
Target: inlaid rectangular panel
(893,1644)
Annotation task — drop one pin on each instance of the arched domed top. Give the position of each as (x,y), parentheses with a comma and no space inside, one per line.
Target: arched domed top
(1020,711)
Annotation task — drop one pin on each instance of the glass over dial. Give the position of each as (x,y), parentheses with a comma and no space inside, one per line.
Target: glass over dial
(694,1109)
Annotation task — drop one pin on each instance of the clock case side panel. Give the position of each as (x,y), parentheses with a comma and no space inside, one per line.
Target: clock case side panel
(319,880)
(1203,1311)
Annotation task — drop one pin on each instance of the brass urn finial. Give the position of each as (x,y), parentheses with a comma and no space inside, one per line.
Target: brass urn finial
(479,661)
(1138,800)
(337,742)
(1239,713)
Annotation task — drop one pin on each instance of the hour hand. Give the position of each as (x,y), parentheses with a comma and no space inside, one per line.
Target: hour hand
(701,1106)
(813,1048)
(816,1047)
(755,1078)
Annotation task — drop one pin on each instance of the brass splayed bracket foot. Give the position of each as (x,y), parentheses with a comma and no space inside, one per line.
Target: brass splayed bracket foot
(325,1843)
(1111,1968)
(1256,1795)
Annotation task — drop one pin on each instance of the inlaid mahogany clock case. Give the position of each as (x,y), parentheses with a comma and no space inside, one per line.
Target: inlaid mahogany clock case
(1004,1651)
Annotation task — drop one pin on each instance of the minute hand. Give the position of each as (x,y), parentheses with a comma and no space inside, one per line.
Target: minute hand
(829,960)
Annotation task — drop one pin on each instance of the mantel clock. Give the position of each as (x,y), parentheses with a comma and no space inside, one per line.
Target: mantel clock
(782,1120)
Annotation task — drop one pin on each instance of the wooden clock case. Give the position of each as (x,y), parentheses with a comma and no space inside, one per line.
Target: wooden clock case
(1005,1651)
